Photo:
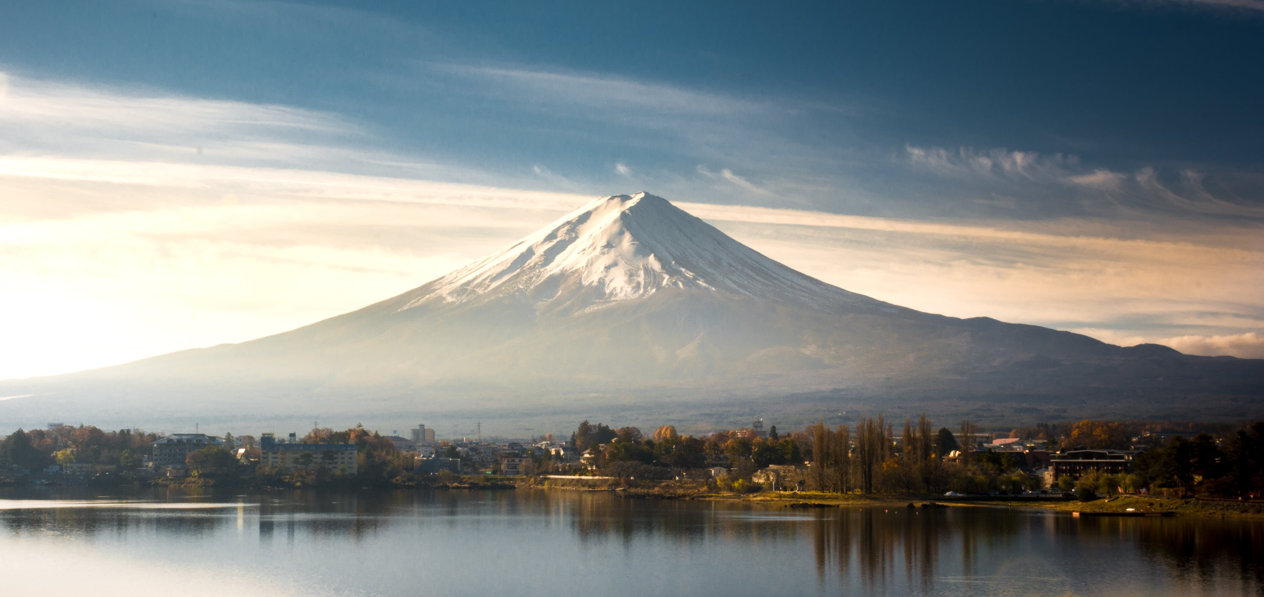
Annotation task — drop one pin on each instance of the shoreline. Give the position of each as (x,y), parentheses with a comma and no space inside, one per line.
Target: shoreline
(1116,506)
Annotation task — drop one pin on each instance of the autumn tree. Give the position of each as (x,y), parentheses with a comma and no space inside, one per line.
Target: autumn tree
(968,434)
(1096,435)
(872,449)
(831,457)
(666,432)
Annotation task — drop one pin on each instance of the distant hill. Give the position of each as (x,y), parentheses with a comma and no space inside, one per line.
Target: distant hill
(632,303)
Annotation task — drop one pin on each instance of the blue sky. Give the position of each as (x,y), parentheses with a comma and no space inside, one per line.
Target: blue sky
(1018,133)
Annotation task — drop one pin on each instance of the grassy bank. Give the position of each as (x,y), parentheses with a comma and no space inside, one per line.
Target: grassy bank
(1150,505)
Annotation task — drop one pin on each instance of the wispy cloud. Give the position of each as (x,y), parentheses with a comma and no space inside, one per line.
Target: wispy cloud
(728,175)
(602,91)
(45,116)
(992,163)
(622,169)
(1248,346)
(1064,178)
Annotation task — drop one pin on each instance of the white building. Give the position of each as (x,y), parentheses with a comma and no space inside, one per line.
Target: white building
(173,449)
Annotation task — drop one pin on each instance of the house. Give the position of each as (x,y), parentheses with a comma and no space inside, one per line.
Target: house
(291,455)
(1075,463)
(778,476)
(564,452)
(1045,474)
(589,457)
(173,449)
(402,444)
(514,465)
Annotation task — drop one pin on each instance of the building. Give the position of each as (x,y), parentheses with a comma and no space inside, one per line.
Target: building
(1077,462)
(564,452)
(513,465)
(779,477)
(173,449)
(402,444)
(1005,444)
(421,435)
(291,455)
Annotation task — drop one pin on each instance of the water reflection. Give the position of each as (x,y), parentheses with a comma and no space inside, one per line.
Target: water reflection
(574,543)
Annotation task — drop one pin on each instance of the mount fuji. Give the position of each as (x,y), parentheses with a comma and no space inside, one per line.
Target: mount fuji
(630,300)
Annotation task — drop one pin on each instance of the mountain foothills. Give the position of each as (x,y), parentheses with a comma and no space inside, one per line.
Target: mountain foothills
(631,303)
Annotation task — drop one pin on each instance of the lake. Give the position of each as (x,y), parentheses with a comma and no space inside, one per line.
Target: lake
(556,543)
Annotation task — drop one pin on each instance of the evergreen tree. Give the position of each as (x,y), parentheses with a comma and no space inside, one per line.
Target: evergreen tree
(945,442)
(17,450)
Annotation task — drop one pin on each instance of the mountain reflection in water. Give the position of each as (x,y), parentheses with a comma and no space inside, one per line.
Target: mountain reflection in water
(564,543)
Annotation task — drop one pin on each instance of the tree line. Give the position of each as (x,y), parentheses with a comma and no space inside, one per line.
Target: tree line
(869,458)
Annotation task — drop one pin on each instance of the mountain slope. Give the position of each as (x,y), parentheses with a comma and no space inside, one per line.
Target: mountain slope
(631,296)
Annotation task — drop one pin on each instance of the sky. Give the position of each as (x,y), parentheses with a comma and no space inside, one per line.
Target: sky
(177,174)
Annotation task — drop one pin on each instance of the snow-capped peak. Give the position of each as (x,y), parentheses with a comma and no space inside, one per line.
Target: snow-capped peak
(621,248)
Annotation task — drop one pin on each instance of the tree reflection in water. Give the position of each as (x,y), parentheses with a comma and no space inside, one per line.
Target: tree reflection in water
(735,546)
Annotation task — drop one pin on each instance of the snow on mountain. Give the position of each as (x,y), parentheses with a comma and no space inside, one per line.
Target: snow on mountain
(631,297)
(621,248)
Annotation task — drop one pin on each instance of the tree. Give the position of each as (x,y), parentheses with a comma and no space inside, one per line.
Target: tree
(129,460)
(17,450)
(772,433)
(1096,435)
(967,440)
(738,447)
(213,460)
(666,432)
(64,457)
(627,449)
(1065,483)
(589,435)
(945,442)
(305,460)
(1174,465)
(871,449)
(680,452)
(1244,461)
(831,457)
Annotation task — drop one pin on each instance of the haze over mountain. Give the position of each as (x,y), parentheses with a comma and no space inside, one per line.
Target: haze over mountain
(630,300)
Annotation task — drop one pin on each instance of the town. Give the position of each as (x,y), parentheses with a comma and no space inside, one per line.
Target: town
(1084,460)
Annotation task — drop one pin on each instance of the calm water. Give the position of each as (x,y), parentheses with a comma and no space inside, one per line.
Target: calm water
(563,543)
